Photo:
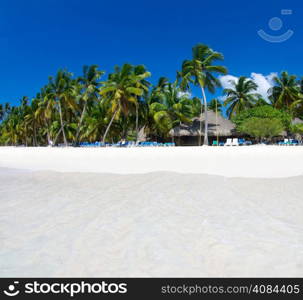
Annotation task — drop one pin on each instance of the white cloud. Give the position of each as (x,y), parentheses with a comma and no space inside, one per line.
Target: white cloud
(264,82)
(226,81)
(221,98)
(184,94)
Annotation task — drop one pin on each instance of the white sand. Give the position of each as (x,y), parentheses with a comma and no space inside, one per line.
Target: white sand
(157,224)
(252,161)
(160,224)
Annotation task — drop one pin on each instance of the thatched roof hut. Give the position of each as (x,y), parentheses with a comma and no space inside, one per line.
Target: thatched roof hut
(297,121)
(216,126)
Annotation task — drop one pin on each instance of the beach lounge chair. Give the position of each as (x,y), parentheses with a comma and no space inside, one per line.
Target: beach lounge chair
(215,143)
(169,144)
(235,142)
(228,142)
(241,142)
(294,142)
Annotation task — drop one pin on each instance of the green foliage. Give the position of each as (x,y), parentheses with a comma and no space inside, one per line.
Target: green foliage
(71,109)
(200,71)
(263,112)
(297,129)
(171,108)
(201,68)
(215,105)
(286,92)
(261,127)
(241,96)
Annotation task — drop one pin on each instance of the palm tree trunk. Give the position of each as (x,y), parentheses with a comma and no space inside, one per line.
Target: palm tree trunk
(217,123)
(137,121)
(48,137)
(56,137)
(109,125)
(200,131)
(25,138)
(35,134)
(61,122)
(206,118)
(80,122)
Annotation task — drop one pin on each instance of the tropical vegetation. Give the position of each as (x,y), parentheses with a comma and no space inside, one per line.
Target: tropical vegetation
(261,128)
(123,104)
(263,112)
(241,96)
(200,71)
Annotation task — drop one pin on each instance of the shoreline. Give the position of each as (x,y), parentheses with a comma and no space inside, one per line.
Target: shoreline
(248,162)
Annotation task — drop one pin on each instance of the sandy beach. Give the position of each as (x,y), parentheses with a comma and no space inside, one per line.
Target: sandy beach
(63,214)
(253,161)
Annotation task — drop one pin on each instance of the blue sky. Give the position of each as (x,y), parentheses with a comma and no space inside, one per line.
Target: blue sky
(39,37)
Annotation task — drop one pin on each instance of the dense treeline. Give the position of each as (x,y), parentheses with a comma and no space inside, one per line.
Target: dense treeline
(122,105)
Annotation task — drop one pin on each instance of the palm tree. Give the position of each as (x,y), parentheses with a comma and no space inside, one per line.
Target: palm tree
(45,112)
(139,78)
(59,95)
(199,71)
(285,92)
(94,122)
(32,119)
(240,96)
(88,91)
(158,91)
(215,105)
(7,109)
(170,109)
(22,126)
(297,106)
(11,127)
(122,90)
(1,112)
